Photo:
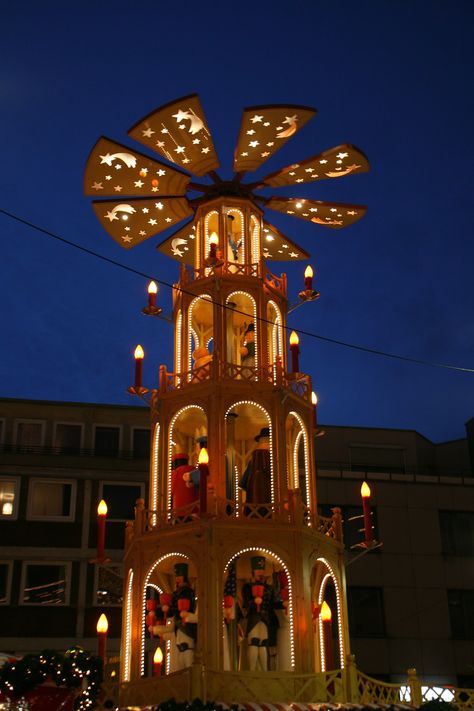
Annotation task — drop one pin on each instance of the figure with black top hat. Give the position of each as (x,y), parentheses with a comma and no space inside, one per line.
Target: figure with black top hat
(257,606)
(247,351)
(256,479)
(183,489)
(183,608)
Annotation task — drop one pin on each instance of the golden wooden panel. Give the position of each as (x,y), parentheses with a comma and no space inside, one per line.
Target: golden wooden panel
(130,222)
(264,130)
(278,248)
(179,132)
(329,214)
(333,163)
(113,169)
(181,244)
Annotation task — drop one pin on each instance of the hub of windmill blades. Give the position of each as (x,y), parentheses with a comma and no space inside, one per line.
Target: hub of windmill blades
(140,196)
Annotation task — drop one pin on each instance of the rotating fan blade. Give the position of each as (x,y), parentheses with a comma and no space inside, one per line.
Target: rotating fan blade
(113,168)
(277,247)
(330,214)
(130,222)
(265,129)
(181,244)
(333,163)
(179,132)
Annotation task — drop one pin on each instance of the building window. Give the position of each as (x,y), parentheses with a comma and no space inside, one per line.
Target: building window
(5,582)
(45,583)
(141,444)
(461,613)
(109,585)
(121,499)
(9,497)
(52,500)
(457,532)
(366,612)
(29,435)
(107,441)
(67,438)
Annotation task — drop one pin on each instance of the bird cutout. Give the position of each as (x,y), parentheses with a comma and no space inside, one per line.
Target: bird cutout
(333,163)
(151,196)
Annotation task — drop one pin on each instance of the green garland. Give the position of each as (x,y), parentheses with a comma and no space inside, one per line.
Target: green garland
(68,670)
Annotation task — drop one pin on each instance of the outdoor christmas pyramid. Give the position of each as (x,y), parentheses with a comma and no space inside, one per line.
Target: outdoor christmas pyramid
(228,565)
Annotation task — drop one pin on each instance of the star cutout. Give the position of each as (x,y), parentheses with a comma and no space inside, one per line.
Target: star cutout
(118,188)
(145,210)
(161,172)
(309,170)
(333,209)
(182,126)
(313,209)
(351,212)
(139,183)
(267,123)
(118,166)
(342,155)
(143,172)
(108,177)
(154,189)
(244,154)
(270,144)
(180,116)
(257,119)
(159,205)
(97,186)
(205,150)
(179,149)
(127,229)
(160,144)
(168,219)
(126,238)
(147,133)
(142,233)
(251,132)
(323,162)
(111,216)
(285,246)
(290,120)
(197,141)
(290,212)
(106,159)
(253,144)
(185,160)
(265,154)
(164,130)
(299,180)
(293,254)
(151,221)
(293,173)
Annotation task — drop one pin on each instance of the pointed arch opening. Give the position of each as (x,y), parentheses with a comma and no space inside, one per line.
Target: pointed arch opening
(242,357)
(297,458)
(201,333)
(327,588)
(187,426)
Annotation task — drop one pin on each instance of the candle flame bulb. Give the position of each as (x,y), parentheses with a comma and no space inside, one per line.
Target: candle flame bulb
(102,625)
(294,340)
(152,288)
(308,272)
(365,490)
(203,456)
(139,353)
(158,656)
(314,398)
(102,508)
(214,239)
(326,614)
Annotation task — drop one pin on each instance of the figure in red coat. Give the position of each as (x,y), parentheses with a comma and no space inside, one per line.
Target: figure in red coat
(183,490)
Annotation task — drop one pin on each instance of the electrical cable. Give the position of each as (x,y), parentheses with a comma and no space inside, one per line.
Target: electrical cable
(309,334)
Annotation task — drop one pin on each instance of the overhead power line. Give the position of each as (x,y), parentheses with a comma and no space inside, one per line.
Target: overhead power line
(309,334)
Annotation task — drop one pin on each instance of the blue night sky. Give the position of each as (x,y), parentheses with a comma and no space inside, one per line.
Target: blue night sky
(392,77)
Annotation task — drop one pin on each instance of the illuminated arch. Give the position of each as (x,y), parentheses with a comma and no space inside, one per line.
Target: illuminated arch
(276,332)
(281,562)
(191,332)
(255,238)
(146,583)
(178,340)
(170,447)
(260,407)
(307,470)
(240,214)
(128,626)
(155,465)
(321,587)
(255,323)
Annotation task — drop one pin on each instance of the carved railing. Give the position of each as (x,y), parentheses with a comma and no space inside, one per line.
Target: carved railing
(220,268)
(277,283)
(373,691)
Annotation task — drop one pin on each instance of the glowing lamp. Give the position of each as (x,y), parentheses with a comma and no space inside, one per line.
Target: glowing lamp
(203,461)
(101,515)
(7,508)
(158,656)
(102,625)
(213,242)
(102,508)
(368,530)
(294,341)
(102,628)
(203,456)
(314,402)
(308,278)
(152,292)
(138,355)
(326,614)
